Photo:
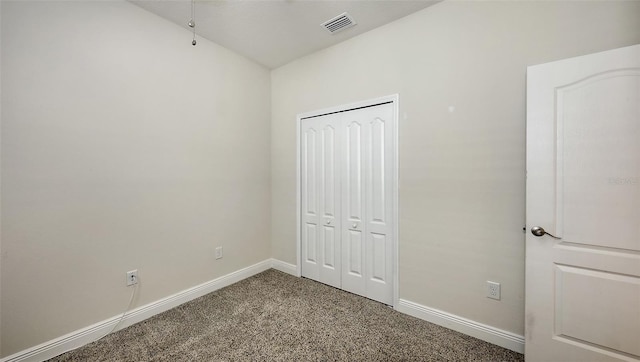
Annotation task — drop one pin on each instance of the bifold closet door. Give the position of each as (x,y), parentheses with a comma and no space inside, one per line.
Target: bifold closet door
(320,198)
(346,191)
(367,202)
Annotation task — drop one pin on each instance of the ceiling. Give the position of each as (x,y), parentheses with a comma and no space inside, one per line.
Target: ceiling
(275,32)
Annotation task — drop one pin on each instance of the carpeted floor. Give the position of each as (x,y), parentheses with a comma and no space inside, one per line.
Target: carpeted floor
(277,317)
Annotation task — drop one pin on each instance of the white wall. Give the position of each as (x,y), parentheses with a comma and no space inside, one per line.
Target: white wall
(123,147)
(462,173)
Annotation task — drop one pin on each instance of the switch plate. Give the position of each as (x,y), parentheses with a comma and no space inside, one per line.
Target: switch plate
(493,290)
(219,252)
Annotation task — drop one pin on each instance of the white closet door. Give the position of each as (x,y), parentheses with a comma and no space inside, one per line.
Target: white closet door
(346,191)
(367,242)
(321,200)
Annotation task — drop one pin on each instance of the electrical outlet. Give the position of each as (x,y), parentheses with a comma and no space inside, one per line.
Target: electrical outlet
(132,277)
(219,252)
(493,290)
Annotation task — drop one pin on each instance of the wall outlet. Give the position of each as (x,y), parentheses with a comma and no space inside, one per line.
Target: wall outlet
(493,290)
(219,252)
(132,277)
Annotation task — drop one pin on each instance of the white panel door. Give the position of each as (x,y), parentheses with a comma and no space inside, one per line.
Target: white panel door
(321,208)
(368,244)
(583,186)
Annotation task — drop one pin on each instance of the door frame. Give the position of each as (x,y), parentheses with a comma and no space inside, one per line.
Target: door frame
(394,99)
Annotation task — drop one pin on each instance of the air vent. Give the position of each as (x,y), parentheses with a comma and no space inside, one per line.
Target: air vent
(339,23)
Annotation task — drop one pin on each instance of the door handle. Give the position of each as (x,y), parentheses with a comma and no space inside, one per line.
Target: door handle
(539,231)
(355,226)
(328,222)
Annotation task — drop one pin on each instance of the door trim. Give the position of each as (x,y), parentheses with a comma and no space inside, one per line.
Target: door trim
(394,99)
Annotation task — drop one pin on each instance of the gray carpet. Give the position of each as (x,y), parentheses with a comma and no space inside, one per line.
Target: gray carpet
(277,317)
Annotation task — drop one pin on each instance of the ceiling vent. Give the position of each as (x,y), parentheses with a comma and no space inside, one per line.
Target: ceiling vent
(339,23)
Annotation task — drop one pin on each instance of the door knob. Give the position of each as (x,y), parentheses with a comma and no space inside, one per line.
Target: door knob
(539,231)
(355,226)
(328,222)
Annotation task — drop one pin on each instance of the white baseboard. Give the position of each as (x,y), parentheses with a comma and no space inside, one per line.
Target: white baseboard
(284,267)
(89,334)
(481,331)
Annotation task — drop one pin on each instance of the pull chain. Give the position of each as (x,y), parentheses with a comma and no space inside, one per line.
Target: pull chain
(192,22)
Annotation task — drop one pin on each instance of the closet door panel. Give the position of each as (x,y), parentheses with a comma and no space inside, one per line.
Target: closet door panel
(329,159)
(353,194)
(378,206)
(354,254)
(376,178)
(353,257)
(311,233)
(330,202)
(310,172)
(329,247)
(310,198)
(379,255)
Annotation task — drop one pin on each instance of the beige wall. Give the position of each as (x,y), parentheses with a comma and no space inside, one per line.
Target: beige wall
(462,173)
(123,147)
